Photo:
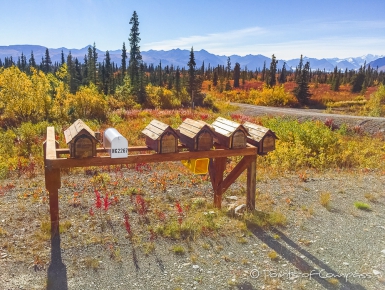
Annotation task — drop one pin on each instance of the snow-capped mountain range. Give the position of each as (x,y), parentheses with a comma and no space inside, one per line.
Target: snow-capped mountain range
(178,57)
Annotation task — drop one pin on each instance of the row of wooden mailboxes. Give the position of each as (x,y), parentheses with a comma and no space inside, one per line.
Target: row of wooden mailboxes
(160,137)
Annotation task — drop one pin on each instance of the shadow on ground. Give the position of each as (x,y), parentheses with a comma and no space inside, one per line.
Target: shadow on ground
(57,271)
(299,262)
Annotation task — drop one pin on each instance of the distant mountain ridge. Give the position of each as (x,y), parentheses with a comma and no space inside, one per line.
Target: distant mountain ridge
(178,57)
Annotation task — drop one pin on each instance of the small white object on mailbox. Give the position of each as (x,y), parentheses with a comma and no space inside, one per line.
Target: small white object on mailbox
(115,143)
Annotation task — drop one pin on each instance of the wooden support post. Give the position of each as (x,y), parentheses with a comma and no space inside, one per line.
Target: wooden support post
(251,183)
(216,168)
(52,180)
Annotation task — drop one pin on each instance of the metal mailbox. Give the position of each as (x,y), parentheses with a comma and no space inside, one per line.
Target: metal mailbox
(115,143)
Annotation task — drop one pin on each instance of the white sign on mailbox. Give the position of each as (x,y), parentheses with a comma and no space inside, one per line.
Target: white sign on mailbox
(115,143)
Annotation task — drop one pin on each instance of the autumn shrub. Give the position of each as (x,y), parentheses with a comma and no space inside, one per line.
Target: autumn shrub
(376,103)
(88,103)
(30,137)
(124,96)
(210,103)
(271,96)
(315,145)
(24,98)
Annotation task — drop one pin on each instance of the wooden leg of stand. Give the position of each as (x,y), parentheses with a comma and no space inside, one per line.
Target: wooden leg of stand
(216,168)
(251,184)
(52,178)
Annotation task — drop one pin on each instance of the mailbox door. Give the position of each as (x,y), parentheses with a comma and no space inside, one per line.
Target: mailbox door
(239,140)
(268,144)
(168,143)
(83,147)
(205,141)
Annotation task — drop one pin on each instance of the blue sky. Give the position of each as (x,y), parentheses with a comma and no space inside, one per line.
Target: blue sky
(321,28)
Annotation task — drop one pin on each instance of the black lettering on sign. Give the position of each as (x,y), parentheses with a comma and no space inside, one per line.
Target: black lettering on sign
(119,150)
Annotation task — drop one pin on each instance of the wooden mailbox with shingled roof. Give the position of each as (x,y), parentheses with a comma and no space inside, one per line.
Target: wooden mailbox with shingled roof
(230,134)
(81,140)
(160,137)
(261,137)
(196,135)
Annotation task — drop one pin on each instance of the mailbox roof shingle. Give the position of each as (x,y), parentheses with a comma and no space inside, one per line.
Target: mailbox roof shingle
(75,129)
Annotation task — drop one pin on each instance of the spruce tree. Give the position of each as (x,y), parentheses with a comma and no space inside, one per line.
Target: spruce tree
(135,56)
(23,62)
(177,80)
(215,78)
(62,57)
(263,76)
(91,70)
(237,74)
(85,77)
(228,68)
(301,92)
(271,80)
(124,60)
(336,81)
(282,76)
(47,62)
(95,64)
(107,74)
(191,76)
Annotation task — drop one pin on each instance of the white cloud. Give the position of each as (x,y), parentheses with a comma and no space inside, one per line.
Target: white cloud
(219,40)
(313,38)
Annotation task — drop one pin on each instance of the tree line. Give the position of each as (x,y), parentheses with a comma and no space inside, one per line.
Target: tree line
(132,76)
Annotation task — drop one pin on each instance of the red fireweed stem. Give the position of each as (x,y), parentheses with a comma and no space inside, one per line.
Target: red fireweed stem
(106,202)
(127,223)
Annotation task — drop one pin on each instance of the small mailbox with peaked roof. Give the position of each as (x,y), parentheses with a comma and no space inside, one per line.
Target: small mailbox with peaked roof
(161,137)
(196,135)
(81,140)
(230,134)
(261,137)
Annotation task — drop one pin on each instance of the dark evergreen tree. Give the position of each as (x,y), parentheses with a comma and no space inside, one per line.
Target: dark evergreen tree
(177,81)
(107,84)
(282,76)
(85,76)
(191,76)
(71,73)
(336,80)
(215,78)
(358,82)
(263,76)
(124,60)
(95,64)
(78,74)
(160,74)
(135,55)
(62,58)
(301,92)
(90,66)
(237,74)
(47,62)
(228,68)
(271,80)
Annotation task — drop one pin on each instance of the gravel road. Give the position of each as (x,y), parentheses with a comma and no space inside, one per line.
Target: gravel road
(370,125)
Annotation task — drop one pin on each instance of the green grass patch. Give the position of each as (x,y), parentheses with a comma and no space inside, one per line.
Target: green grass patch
(362,205)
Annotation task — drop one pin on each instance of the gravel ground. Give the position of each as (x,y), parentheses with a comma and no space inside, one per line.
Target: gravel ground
(335,246)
